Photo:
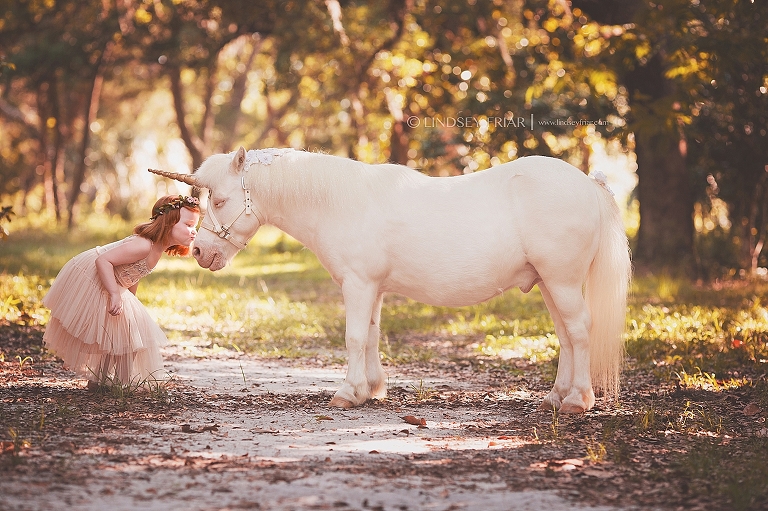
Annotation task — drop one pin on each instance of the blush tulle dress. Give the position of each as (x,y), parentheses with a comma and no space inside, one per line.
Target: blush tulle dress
(93,343)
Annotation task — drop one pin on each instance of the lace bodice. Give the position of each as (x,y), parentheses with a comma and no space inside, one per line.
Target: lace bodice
(129,274)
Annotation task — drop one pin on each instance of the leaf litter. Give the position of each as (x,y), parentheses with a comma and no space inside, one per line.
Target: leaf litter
(203,439)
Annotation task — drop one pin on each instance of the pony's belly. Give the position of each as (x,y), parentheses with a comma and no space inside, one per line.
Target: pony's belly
(460,290)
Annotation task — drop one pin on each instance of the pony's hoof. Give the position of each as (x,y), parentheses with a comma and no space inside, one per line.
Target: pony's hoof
(578,402)
(340,402)
(379,392)
(571,408)
(551,403)
(548,406)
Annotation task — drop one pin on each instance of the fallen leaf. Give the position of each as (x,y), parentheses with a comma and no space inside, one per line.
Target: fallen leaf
(559,465)
(751,409)
(323,418)
(410,419)
(186,428)
(67,446)
(600,474)
(572,461)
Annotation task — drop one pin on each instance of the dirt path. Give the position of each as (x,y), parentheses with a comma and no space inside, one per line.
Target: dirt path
(237,432)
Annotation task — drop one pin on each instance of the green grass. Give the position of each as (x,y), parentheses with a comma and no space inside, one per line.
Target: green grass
(277,300)
(706,331)
(713,469)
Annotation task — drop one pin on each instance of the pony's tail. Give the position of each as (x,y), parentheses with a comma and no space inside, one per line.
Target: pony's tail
(606,291)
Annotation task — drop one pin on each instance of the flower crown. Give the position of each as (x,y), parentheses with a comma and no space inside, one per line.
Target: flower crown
(179,202)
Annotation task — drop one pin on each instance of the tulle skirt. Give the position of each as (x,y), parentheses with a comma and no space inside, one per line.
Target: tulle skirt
(92,342)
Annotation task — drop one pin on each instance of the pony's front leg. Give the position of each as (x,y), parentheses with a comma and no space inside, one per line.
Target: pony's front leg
(374,372)
(359,298)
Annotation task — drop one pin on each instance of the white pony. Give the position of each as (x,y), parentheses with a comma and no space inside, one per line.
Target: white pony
(450,241)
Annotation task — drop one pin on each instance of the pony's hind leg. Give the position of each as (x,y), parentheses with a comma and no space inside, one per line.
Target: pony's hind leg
(359,299)
(374,372)
(554,400)
(573,383)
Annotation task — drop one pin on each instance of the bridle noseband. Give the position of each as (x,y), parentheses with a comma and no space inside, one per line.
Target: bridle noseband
(222,230)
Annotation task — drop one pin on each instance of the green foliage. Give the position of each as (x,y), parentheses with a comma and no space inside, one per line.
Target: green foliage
(422,392)
(111,386)
(712,94)
(22,299)
(215,74)
(690,331)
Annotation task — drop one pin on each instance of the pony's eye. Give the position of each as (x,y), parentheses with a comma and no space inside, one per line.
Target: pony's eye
(219,203)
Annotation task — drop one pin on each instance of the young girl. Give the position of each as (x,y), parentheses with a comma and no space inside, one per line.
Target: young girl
(98,326)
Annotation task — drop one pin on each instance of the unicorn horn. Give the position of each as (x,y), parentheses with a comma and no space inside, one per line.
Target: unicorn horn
(184,178)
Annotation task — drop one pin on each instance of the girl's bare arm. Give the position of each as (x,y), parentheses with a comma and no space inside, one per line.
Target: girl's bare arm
(128,252)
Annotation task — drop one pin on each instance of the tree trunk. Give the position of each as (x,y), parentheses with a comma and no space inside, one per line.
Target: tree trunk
(665,236)
(192,142)
(92,107)
(239,89)
(44,151)
(208,121)
(398,144)
(57,163)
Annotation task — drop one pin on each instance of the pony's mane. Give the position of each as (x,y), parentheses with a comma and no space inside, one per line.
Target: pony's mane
(301,178)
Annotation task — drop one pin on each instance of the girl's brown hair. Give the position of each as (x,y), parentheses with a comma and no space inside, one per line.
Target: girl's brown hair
(165,214)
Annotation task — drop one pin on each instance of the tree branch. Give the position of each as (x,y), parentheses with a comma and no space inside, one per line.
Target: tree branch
(192,142)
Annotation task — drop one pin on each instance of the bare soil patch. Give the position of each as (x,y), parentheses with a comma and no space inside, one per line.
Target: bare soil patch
(232,431)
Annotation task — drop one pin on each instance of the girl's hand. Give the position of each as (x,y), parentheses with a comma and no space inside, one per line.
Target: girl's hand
(115,306)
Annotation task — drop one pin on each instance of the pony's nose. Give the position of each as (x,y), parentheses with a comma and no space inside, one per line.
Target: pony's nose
(196,252)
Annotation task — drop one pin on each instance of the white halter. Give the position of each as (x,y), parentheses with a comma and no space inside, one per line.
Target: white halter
(263,157)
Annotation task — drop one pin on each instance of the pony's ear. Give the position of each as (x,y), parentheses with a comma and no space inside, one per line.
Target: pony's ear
(238,162)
